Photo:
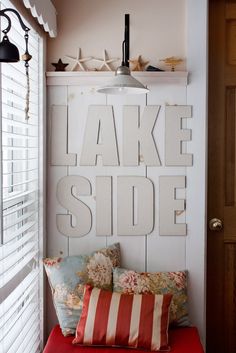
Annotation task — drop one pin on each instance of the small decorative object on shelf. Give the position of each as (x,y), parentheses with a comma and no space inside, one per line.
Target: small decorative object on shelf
(138,64)
(153,68)
(78,61)
(105,62)
(59,66)
(172,61)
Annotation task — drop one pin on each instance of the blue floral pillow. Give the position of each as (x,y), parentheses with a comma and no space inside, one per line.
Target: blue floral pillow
(67,277)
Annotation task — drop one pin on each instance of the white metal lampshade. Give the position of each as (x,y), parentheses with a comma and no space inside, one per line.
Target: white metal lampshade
(123,83)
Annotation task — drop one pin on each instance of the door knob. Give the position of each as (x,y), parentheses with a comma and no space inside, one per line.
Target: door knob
(216,224)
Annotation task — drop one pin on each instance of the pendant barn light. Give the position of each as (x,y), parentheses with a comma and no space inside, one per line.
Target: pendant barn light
(123,82)
(9,52)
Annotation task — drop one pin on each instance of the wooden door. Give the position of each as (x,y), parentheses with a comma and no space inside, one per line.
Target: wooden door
(221,254)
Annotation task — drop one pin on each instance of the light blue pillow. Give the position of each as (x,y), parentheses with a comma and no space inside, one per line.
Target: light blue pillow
(67,277)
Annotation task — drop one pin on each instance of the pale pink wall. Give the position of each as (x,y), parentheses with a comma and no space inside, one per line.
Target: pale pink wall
(157,28)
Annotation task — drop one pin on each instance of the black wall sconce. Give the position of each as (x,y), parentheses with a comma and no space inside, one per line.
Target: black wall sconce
(9,52)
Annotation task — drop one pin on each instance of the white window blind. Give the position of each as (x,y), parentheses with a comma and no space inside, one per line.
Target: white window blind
(20,169)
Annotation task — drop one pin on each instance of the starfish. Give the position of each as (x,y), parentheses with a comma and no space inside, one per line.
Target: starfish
(105,61)
(59,66)
(78,61)
(138,64)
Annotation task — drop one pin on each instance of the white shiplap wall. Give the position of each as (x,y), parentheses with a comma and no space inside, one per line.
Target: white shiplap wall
(169,252)
(151,252)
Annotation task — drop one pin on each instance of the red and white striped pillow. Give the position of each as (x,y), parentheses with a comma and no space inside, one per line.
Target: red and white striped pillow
(130,320)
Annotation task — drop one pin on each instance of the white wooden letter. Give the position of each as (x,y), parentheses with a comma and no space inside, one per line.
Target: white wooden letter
(175,135)
(169,205)
(59,137)
(99,137)
(68,190)
(134,205)
(137,136)
(103,206)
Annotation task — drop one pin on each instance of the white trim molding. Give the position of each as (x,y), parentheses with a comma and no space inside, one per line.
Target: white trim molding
(87,78)
(45,13)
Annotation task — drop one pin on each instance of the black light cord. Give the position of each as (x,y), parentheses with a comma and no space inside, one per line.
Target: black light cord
(126,58)
(123,53)
(125,43)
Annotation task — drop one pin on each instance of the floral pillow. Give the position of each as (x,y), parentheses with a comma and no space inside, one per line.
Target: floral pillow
(175,283)
(67,277)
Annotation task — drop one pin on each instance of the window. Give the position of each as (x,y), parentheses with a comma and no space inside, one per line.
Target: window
(21,233)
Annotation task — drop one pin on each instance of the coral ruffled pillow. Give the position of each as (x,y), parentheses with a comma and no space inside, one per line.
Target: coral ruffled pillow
(129,281)
(67,277)
(116,319)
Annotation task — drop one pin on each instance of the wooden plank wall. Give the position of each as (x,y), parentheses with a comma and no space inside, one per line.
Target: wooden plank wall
(143,253)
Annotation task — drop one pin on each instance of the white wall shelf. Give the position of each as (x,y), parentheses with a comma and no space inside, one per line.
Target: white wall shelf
(73,78)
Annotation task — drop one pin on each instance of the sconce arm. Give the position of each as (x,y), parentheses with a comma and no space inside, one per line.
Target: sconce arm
(3,13)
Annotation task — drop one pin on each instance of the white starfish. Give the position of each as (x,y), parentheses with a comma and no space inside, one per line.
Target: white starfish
(105,61)
(78,60)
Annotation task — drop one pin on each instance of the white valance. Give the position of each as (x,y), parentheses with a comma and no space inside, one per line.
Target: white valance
(45,13)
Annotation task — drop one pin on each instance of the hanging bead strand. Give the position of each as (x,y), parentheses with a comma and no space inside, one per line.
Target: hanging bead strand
(26,58)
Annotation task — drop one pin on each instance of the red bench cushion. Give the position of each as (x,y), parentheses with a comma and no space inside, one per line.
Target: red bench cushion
(181,340)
